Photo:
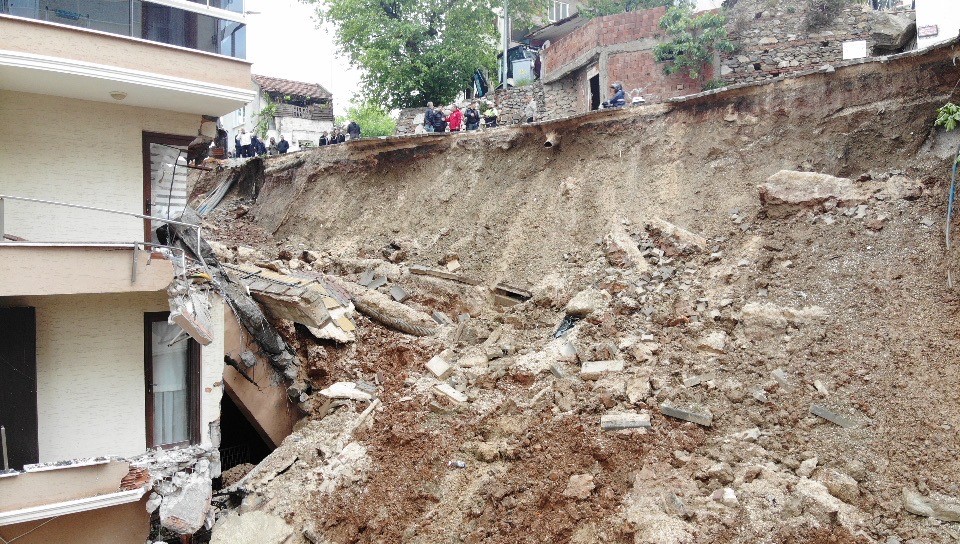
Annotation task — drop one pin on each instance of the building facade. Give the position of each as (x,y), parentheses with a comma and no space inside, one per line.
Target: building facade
(300,112)
(109,349)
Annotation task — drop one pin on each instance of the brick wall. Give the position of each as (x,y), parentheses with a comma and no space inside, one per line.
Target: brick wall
(639,69)
(599,33)
(772,39)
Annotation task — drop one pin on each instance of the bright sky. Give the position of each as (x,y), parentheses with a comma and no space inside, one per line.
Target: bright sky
(283,41)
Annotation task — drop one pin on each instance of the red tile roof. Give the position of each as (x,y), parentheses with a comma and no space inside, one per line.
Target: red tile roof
(286,86)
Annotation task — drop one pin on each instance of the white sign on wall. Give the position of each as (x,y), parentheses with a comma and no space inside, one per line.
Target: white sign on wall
(856,49)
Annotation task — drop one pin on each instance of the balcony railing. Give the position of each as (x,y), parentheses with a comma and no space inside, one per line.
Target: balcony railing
(315,113)
(213,26)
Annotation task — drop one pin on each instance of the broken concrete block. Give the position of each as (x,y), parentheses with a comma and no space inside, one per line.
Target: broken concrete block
(153,502)
(832,416)
(937,507)
(622,251)
(441,318)
(807,467)
(700,416)
(185,511)
(726,497)
(567,352)
(616,422)
(439,368)
(366,278)
(697,380)
(593,370)
(788,192)
(674,240)
(781,378)
(377,282)
(840,485)
(450,392)
(579,486)
(714,342)
(255,527)
(399,293)
(453,265)
(587,302)
(638,389)
(346,390)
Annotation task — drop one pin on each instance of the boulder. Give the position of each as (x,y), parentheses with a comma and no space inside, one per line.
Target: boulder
(580,486)
(254,527)
(891,32)
(788,192)
(674,240)
(185,511)
(587,302)
(935,506)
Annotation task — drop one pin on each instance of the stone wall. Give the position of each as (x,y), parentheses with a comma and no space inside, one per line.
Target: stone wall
(772,38)
(410,121)
(513,101)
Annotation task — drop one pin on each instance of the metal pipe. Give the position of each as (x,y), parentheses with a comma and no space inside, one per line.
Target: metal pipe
(3,440)
(552,141)
(506,40)
(1,219)
(105,210)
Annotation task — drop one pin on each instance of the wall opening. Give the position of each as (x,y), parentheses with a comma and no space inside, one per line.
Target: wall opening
(240,444)
(595,92)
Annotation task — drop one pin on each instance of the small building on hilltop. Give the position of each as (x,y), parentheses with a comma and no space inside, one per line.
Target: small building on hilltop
(297,110)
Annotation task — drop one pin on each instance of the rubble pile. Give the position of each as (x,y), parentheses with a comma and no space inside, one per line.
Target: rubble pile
(721,320)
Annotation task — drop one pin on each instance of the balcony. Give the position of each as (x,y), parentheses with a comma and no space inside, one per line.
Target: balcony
(212,26)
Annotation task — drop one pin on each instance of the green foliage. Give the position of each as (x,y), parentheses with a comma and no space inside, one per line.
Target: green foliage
(264,117)
(714,84)
(415,51)
(374,121)
(598,8)
(695,39)
(948,116)
(821,13)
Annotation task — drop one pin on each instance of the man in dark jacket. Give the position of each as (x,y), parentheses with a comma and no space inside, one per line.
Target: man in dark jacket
(428,117)
(353,129)
(324,138)
(472,117)
(283,145)
(439,121)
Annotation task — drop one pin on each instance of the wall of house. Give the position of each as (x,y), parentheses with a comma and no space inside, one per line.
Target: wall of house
(90,372)
(619,48)
(296,129)
(124,523)
(78,152)
(944,15)
(512,103)
(772,39)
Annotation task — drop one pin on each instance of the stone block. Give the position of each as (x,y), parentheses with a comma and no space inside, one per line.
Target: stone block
(593,370)
(439,368)
(616,422)
(700,416)
(448,390)
(832,416)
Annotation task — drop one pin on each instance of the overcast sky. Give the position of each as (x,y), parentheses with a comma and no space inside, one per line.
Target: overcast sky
(283,41)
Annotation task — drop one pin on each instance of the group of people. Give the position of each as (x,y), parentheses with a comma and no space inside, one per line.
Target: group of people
(248,144)
(338,136)
(436,119)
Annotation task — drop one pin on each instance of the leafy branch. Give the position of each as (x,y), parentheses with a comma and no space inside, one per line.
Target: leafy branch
(695,39)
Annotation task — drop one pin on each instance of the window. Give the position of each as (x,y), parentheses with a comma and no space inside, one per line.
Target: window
(558,10)
(172,372)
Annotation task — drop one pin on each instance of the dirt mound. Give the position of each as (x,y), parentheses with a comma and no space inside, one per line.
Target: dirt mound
(818,340)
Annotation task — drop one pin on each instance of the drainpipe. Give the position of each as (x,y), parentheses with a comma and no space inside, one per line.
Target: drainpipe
(506,41)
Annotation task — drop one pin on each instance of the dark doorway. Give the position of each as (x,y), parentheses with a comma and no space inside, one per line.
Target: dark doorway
(239,441)
(18,385)
(595,92)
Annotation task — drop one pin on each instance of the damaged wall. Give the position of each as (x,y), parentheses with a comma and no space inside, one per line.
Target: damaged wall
(63,148)
(90,372)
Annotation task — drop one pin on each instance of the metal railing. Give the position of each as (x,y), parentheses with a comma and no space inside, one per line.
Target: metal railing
(175,250)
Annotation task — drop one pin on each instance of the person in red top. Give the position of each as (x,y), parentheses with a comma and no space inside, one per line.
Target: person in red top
(455,119)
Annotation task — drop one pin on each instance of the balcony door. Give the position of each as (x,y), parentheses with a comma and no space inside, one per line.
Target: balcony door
(18,385)
(164,178)
(172,372)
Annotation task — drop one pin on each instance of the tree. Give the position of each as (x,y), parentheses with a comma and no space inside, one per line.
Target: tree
(374,121)
(598,8)
(415,51)
(695,39)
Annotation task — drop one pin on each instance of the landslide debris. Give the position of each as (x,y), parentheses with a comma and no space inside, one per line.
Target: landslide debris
(752,300)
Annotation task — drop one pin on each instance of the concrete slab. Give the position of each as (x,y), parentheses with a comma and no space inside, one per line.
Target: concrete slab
(616,422)
(700,416)
(593,370)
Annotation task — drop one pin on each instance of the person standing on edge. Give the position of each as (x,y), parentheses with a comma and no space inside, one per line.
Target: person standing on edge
(455,119)
(428,117)
(283,145)
(353,129)
(490,115)
(439,121)
(246,143)
(272,149)
(472,117)
(324,138)
(530,112)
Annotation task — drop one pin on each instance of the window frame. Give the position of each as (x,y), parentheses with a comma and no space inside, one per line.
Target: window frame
(193,384)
